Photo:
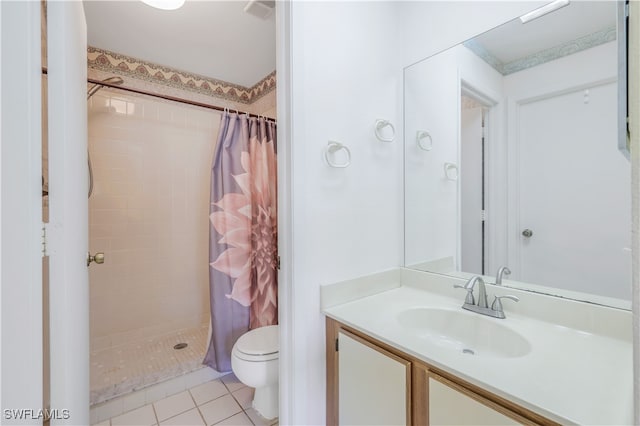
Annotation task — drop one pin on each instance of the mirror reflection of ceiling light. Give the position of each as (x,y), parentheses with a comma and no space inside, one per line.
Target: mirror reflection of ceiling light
(541,11)
(165,4)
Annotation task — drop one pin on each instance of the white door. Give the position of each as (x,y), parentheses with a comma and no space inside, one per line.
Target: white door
(372,384)
(576,208)
(450,406)
(471,190)
(68,219)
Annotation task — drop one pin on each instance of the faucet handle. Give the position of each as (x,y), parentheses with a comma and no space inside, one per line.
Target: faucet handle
(469,299)
(497,303)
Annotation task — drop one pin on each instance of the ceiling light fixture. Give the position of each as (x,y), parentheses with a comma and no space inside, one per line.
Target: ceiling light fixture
(541,11)
(165,4)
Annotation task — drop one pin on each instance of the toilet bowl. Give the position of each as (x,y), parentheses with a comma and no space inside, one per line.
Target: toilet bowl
(254,361)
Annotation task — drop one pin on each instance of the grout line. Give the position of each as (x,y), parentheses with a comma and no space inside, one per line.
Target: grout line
(249,417)
(236,399)
(197,407)
(153,407)
(226,418)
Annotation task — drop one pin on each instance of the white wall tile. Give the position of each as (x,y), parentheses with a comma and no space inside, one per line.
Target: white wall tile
(151,176)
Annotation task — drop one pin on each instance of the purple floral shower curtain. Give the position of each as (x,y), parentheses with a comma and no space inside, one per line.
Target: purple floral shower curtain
(243,233)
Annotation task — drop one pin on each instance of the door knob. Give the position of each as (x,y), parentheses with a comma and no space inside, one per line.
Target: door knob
(98,258)
(527,233)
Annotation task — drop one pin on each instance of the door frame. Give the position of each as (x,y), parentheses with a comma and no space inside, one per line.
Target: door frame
(68,227)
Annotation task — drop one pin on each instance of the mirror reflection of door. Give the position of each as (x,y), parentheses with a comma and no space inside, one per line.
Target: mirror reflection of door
(472,184)
(571,179)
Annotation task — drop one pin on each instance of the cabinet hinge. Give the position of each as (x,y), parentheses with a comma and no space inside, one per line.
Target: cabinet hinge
(278,263)
(44,240)
(337,349)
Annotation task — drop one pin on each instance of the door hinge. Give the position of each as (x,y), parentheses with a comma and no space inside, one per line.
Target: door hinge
(43,236)
(337,349)
(278,263)
(483,215)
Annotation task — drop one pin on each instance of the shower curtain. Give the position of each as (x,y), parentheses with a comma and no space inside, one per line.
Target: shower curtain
(242,234)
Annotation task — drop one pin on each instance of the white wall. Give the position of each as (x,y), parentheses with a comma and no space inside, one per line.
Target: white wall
(344,71)
(21,214)
(346,222)
(634,127)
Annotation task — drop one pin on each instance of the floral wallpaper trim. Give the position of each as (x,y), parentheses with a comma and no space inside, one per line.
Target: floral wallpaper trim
(127,66)
(574,46)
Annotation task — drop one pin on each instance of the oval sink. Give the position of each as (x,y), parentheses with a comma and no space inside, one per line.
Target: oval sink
(464,332)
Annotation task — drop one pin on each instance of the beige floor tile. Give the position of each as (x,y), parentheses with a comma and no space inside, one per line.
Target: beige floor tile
(244,397)
(105,423)
(208,391)
(239,419)
(258,420)
(173,405)
(219,409)
(138,417)
(190,418)
(231,382)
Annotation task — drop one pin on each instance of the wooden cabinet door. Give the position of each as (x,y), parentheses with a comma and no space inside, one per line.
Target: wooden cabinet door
(451,404)
(374,385)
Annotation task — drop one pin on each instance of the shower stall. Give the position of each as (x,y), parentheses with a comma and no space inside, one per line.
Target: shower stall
(150,161)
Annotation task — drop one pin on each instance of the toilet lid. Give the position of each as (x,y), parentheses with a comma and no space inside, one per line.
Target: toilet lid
(259,341)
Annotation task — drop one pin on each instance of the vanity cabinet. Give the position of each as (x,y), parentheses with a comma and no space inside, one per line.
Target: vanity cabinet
(372,383)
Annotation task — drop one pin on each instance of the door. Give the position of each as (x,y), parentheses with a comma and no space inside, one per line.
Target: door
(373,384)
(585,182)
(68,211)
(451,404)
(472,190)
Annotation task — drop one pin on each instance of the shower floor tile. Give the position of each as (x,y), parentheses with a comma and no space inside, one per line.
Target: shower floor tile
(132,366)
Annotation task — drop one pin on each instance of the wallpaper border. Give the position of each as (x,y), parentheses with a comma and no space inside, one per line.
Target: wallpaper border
(126,66)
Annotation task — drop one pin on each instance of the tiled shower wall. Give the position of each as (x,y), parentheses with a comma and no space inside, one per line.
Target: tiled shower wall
(149,215)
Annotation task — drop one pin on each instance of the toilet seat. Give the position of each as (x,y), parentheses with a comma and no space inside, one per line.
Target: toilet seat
(258,345)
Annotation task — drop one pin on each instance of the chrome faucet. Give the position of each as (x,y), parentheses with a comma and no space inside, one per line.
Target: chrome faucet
(503,270)
(481,306)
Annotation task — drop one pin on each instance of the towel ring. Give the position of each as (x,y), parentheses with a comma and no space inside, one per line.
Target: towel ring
(381,124)
(333,147)
(424,140)
(449,168)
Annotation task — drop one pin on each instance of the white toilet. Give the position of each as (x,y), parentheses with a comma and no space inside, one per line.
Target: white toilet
(254,361)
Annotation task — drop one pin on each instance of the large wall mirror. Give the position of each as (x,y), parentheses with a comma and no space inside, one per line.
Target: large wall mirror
(512,157)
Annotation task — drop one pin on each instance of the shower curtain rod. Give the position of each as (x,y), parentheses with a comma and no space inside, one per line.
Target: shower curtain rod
(169,98)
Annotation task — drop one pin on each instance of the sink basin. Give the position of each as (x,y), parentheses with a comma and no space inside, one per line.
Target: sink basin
(464,332)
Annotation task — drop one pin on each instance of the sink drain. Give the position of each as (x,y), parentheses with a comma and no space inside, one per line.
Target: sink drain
(180,346)
(468,351)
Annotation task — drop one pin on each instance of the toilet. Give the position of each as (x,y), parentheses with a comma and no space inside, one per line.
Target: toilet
(254,361)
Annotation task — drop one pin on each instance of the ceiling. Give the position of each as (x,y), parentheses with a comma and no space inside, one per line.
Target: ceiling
(216,39)
(515,40)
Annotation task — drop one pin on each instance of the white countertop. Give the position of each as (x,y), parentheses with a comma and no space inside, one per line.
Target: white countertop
(571,375)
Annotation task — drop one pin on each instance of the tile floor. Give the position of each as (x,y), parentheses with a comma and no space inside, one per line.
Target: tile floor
(120,369)
(225,401)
